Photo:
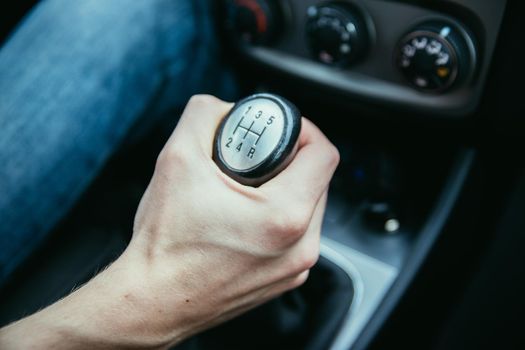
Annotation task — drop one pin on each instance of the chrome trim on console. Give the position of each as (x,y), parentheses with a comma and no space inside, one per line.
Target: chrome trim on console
(371,279)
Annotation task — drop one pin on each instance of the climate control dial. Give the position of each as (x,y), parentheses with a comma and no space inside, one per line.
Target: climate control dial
(435,56)
(337,33)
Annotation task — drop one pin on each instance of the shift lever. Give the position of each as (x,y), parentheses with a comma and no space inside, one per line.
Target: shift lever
(257,138)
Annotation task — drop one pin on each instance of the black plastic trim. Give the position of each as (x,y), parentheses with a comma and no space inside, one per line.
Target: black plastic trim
(428,236)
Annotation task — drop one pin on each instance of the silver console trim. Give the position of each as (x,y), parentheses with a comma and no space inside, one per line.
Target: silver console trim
(371,279)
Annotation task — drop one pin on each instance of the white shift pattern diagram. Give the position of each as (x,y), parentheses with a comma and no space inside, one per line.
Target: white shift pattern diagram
(251,134)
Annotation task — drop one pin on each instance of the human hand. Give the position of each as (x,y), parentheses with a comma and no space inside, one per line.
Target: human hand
(220,246)
(206,248)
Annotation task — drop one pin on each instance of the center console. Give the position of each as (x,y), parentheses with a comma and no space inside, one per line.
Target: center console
(390,82)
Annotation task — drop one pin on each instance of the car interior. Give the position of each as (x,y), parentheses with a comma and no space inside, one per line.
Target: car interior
(425,221)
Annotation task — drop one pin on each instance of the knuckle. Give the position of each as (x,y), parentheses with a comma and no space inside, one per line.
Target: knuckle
(303,277)
(284,228)
(306,258)
(333,155)
(300,279)
(171,157)
(202,99)
(291,223)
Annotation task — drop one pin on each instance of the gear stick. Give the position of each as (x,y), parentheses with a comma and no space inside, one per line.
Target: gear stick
(257,139)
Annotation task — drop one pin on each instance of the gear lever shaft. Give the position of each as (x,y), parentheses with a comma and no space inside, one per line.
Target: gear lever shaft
(257,138)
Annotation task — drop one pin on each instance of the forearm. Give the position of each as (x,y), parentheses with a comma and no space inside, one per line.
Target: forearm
(111,311)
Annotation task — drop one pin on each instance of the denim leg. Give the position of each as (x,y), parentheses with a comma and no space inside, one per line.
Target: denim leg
(75,76)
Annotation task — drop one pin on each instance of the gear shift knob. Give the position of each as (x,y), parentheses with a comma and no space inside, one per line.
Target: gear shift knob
(257,138)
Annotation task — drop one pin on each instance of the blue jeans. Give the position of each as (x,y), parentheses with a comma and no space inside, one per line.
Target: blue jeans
(75,77)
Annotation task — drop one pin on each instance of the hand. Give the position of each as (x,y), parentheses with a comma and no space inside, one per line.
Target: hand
(206,248)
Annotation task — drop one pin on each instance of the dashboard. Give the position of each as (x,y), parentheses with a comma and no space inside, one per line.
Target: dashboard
(424,56)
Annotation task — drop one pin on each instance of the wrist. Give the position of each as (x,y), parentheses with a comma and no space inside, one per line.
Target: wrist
(124,306)
(116,309)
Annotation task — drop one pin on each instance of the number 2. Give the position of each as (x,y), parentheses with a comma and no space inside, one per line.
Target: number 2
(230,139)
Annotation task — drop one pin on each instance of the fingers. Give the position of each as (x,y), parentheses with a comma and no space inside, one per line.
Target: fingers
(303,255)
(288,284)
(297,251)
(308,175)
(198,123)
(265,294)
(305,178)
